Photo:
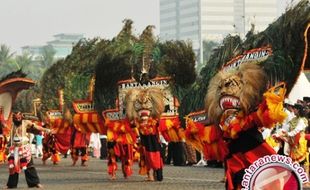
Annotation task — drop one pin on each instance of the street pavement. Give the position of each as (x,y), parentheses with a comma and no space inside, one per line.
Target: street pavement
(94,176)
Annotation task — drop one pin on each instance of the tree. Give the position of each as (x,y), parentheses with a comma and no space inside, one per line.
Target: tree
(71,73)
(23,61)
(48,53)
(7,62)
(118,59)
(143,59)
(208,47)
(286,38)
(5,54)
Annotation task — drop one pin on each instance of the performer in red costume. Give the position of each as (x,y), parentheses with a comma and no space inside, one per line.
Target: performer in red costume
(237,107)
(79,143)
(49,149)
(143,108)
(121,139)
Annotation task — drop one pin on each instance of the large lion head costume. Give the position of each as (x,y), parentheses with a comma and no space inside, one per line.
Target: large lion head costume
(238,90)
(143,104)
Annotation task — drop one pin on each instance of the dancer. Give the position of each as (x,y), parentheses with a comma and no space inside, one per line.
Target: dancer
(143,108)
(19,152)
(49,149)
(238,108)
(121,139)
(79,144)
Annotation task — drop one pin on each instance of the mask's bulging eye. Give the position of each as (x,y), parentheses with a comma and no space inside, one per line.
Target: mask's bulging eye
(137,105)
(227,84)
(148,104)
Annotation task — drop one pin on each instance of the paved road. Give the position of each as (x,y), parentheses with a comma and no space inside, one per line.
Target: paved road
(94,176)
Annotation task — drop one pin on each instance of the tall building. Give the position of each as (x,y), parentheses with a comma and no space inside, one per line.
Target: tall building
(212,20)
(180,20)
(62,44)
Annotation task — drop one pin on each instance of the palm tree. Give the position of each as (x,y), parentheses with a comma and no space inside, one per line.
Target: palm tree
(5,54)
(23,61)
(6,60)
(48,53)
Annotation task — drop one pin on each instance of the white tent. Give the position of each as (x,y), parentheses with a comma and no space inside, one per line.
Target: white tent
(300,89)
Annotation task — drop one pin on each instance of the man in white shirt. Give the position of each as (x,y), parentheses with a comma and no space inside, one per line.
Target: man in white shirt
(294,136)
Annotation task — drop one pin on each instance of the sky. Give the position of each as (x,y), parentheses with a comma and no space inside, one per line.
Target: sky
(34,22)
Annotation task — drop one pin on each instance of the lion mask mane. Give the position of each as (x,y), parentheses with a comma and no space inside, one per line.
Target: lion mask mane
(241,89)
(145,103)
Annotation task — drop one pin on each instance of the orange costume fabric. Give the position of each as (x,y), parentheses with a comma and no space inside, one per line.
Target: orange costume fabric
(150,148)
(237,140)
(80,142)
(49,149)
(121,139)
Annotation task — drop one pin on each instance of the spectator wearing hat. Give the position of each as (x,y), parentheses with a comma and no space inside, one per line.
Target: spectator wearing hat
(274,137)
(289,110)
(295,135)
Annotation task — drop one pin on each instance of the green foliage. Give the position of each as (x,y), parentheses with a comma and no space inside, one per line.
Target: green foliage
(194,99)
(110,61)
(110,70)
(7,62)
(72,74)
(139,54)
(15,74)
(24,60)
(5,54)
(208,47)
(178,61)
(124,41)
(144,65)
(137,49)
(48,53)
(285,36)
(32,68)
(24,100)
(115,64)
(52,80)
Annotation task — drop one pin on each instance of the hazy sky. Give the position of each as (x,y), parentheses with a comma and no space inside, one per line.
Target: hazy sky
(33,22)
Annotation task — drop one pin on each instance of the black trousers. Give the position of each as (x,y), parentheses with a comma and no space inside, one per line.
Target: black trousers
(176,152)
(103,149)
(31,175)
(76,152)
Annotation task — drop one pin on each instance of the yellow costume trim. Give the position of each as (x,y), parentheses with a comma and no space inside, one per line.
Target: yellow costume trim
(274,112)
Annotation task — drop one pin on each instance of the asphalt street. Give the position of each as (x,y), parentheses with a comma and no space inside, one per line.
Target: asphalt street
(94,176)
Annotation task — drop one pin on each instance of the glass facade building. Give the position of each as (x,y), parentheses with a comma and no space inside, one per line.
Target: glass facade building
(212,20)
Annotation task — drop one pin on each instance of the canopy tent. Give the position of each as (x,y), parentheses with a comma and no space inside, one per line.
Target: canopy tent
(300,89)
